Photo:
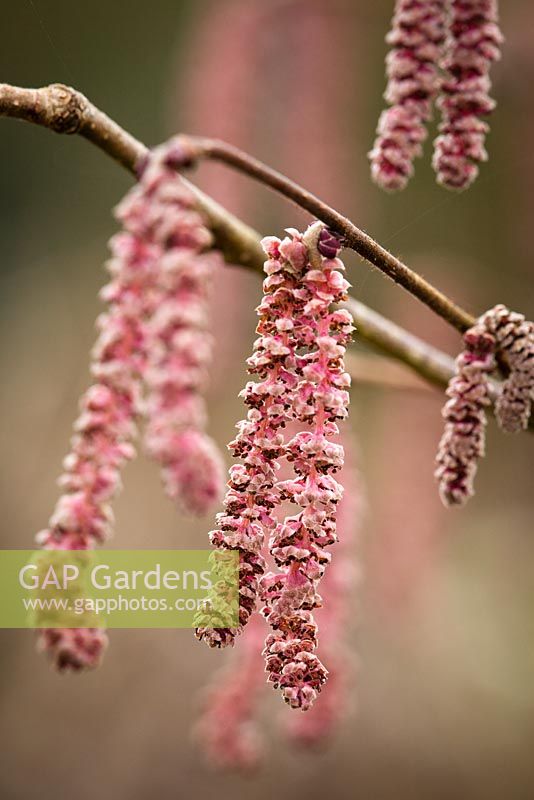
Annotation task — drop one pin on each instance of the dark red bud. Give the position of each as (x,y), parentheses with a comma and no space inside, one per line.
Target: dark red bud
(328,245)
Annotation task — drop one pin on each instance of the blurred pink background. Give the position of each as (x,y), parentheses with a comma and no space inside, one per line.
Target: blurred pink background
(444,699)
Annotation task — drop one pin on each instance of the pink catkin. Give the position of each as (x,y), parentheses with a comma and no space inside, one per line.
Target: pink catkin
(463,441)
(252,496)
(321,722)
(316,396)
(180,345)
(416,38)
(104,431)
(473,44)
(514,336)
(227,730)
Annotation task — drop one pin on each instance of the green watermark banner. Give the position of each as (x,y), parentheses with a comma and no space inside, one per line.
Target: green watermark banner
(119,588)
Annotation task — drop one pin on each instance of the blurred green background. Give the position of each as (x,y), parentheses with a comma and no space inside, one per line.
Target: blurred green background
(444,698)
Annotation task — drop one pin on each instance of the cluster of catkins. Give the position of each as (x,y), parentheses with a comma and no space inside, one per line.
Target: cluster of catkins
(149,363)
(298,359)
(442,51)
(149,366)
(469,391)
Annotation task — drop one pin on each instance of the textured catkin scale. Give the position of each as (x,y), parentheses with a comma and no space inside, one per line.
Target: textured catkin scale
(472,46)
(335,616)
(514,336)
(464,437)
(412,66)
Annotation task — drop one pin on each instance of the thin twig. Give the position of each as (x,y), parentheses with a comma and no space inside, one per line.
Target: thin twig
(350,234)
(432,364)
(385,373)
(435,366)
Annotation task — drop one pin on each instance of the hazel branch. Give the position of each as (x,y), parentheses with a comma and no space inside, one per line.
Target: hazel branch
(65,110)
